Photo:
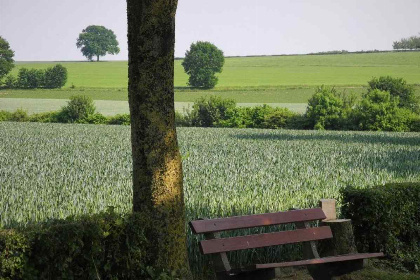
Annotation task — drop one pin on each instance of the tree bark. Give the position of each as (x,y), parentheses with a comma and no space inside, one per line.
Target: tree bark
(157,170)
(97,58)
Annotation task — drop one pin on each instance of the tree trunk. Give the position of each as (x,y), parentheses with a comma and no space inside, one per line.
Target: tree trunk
(97,58)
(157,170)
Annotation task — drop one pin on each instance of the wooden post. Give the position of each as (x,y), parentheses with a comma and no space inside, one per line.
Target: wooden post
(342,242)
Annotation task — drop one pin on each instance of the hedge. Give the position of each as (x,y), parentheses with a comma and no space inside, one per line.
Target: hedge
(387,218)
(101,246)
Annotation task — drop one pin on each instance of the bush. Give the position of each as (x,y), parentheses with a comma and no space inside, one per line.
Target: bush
(279,118)
(397,87)
(208,112)
(101,246)
(415,123)
(19,115)
(10,81)
(47,117)
(201,63)
(123,119)
(55,77)
(379,112)
(30,78)
(95,118)
(325,109)
(78,108)
(386,218)
(182,119)
(5,115)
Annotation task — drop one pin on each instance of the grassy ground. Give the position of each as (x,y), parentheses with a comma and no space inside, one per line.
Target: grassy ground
(304,70)
(369,273)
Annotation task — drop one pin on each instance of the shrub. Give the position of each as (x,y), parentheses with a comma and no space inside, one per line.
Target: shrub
(182,119)
(415,123)
(30,78)
(379,112)
(78,108)
(19,115)
(325,109)
(101,246)
(55,77)
(95,118)
(47,117)
(208,112)
(279,118)
(10,81)
(201,63)
(123,119)
(397,87)
(386,218)
(5,115)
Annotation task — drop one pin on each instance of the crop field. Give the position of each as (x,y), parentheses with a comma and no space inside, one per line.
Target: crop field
(302,70)
(56,170)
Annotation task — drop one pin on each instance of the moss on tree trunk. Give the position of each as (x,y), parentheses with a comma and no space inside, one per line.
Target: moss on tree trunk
(157,170)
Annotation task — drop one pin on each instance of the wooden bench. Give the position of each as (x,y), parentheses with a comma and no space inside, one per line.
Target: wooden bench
(319,267)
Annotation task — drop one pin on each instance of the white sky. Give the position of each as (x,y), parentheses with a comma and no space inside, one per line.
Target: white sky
(47,30)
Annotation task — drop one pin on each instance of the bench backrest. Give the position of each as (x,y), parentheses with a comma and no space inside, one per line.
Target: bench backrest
(213,244)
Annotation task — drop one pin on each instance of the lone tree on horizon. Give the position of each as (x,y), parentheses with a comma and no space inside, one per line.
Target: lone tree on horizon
(6,58)
(96,40)
(157,171)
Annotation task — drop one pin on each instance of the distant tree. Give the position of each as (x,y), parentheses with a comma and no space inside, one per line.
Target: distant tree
(55,77)
(397,87)
(97,41)
(201,62)
(6,58)
(411,43)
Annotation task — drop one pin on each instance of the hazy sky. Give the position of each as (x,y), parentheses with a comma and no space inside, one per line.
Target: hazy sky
(48,29)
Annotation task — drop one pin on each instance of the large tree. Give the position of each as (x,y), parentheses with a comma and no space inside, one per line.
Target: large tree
(6,58)
(157,170)
(97,41)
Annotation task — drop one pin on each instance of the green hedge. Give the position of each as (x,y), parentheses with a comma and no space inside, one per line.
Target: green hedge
(101,246)
(387,218)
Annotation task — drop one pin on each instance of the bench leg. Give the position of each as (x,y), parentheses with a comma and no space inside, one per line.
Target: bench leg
(260,274)
(328,270)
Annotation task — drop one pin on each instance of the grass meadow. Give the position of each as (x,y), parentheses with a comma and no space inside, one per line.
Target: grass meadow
(268,71)
(57,170)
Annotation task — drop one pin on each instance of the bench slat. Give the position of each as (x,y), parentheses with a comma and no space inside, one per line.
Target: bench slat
(340,258)
(239,222)
(262,240)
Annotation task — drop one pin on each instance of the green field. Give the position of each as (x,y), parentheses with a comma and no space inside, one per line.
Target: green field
(56,170)
(285,81)
(302,70)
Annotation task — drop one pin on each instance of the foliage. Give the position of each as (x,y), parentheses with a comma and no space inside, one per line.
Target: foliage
(46,117)
(101,246)
(280,118)
(55,77)
(56,170)
(208,112)
(411,43)
(19,115)
(96,40)
(77,109)
(10,81)
(325,109)
(201,63)
(387,218)
(5,115)
(122,119)
(379,112)
(30,78)
(6,58)
(397,87)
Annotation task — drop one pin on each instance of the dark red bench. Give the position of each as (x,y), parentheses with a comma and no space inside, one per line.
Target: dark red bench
(320,268)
